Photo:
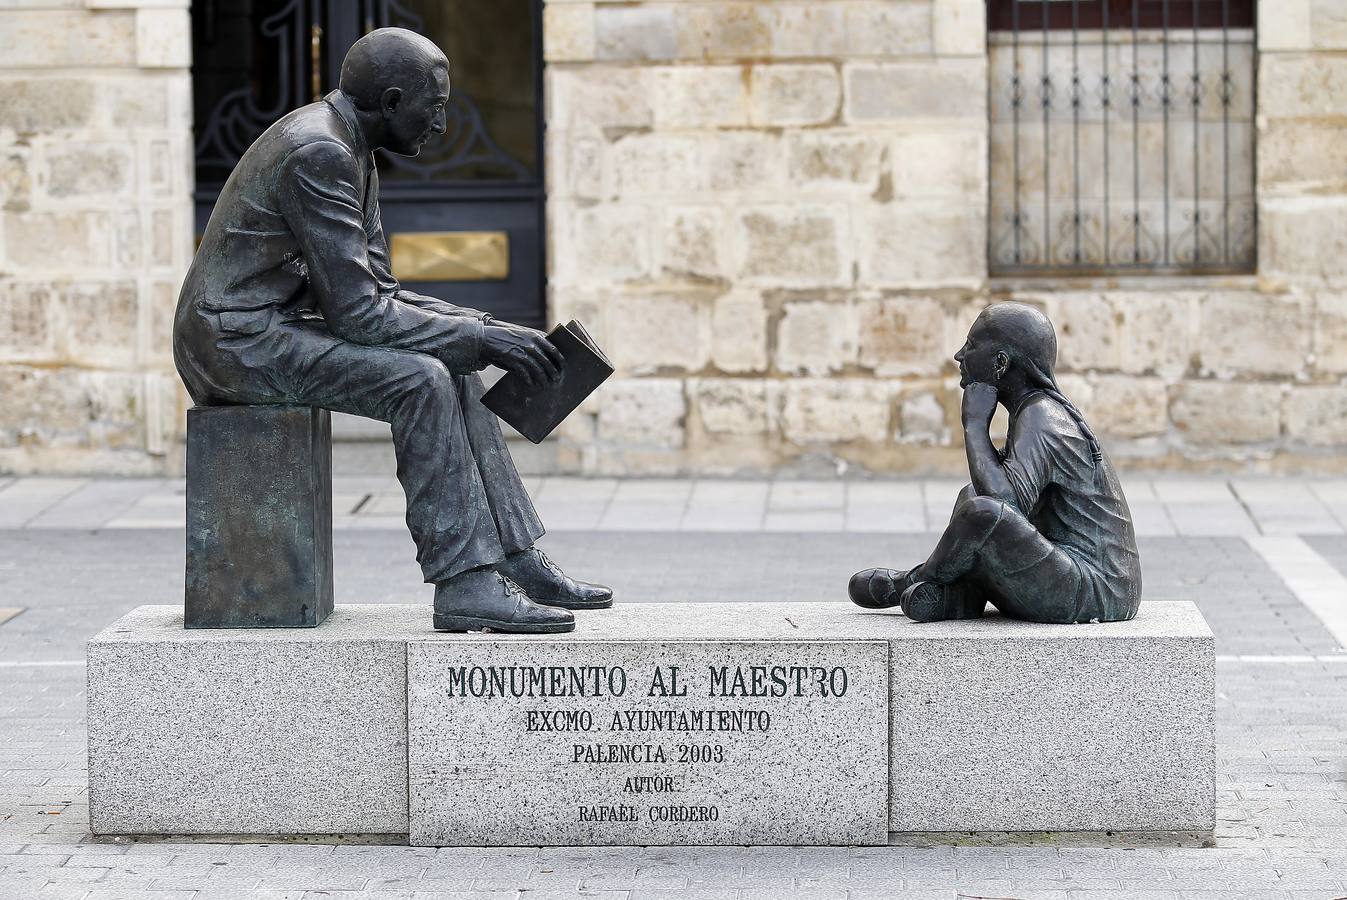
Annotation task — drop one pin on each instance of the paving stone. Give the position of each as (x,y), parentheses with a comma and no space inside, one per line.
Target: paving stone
(647,506)
(1165,506)
(28,498)
(95,504)
(726,506)
(885,506)
(159,510)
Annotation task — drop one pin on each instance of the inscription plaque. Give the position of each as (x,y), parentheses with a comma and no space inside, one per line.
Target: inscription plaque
(647,742)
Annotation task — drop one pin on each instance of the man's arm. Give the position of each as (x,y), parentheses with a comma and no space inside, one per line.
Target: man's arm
(381,266)
(984,463)
(317,192)
(443,307)
(374,238)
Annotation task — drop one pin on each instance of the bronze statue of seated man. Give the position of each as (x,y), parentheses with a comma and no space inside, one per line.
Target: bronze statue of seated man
(1043,532)
(290,299)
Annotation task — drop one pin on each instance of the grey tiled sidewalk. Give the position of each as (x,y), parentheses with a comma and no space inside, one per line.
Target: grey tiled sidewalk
(1281,692)
(1161,506)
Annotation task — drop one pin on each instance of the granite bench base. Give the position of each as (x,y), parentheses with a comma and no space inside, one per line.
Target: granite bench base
(371,723)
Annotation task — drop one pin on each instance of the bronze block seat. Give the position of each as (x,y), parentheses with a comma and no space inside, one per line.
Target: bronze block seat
(259,517)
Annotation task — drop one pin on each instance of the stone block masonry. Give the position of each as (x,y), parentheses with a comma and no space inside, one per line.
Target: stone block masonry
(837,725)
(772,213)
(95,233)
(780,210)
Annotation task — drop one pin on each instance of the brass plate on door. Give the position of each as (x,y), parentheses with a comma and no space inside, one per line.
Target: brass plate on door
(451,256)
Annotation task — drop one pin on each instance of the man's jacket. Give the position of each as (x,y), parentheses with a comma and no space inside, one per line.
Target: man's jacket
(297,230)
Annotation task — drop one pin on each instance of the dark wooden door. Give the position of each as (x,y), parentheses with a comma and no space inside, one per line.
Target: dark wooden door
(464,219)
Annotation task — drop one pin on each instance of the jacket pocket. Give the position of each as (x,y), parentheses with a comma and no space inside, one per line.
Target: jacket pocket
(250,321)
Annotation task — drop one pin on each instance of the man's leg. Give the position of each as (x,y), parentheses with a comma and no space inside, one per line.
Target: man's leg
(989,544)
(448,511)
(466,506)
(517,522)
(283,360)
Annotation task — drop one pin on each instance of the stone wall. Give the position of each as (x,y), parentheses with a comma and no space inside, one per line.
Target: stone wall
(1297,341)
(774,215)
(95,231)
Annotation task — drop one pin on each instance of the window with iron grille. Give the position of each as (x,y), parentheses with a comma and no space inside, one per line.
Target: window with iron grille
(1122,137)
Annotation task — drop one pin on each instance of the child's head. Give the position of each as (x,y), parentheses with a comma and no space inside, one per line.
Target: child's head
(1009,338)
(1013,345)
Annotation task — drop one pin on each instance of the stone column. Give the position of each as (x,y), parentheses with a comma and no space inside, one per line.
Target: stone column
(95,232)
(1302,205)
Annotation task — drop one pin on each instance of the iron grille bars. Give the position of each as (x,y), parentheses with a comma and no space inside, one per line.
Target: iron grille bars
(1045,93)
(1183,202)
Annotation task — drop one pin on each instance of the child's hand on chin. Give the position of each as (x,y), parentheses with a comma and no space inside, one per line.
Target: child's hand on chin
(979,403)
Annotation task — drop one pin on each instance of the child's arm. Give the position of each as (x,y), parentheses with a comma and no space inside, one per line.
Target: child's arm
(984,463)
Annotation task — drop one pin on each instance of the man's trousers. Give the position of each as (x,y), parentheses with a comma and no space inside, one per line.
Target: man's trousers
(466,506)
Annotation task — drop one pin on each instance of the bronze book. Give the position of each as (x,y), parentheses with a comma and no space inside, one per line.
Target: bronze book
(536,411)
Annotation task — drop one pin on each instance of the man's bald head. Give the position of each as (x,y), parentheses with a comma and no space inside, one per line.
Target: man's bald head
(398,82)
(389,58)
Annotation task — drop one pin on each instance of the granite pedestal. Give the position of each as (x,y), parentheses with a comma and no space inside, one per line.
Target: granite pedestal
(992,725)
(259,517)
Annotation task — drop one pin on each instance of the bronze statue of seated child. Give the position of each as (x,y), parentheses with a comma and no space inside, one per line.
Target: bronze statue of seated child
(1042,532)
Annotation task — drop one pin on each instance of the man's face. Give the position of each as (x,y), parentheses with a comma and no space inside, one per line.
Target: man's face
(418,114)
(977,357)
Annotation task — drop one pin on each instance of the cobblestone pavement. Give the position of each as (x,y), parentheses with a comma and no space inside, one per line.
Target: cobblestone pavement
(1281,712)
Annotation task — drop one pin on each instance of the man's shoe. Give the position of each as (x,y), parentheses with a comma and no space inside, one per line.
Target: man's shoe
(547,584)
(926,601)
(878,588)
(483,599)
